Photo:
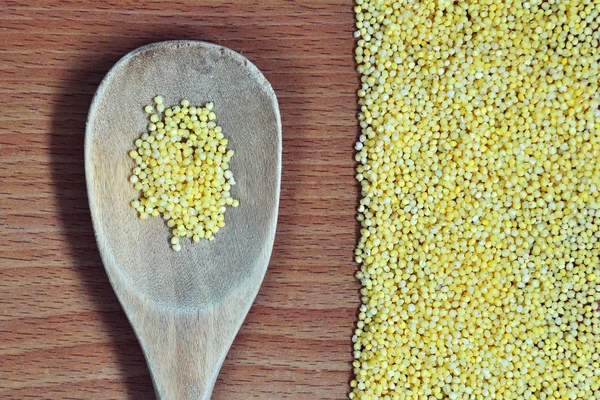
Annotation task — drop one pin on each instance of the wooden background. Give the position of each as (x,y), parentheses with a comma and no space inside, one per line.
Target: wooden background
(63,334)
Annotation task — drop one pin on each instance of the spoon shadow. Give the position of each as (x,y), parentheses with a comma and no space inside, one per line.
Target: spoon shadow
(67,160)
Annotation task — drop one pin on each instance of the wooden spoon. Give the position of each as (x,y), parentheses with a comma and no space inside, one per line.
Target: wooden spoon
(185,307)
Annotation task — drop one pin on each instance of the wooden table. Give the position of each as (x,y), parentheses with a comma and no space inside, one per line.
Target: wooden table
(63,334)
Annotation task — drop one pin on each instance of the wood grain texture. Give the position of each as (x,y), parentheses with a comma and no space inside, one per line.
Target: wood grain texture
(63,334)
(185,306)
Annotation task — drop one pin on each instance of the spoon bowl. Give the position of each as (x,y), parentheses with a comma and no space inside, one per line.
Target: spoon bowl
(185,307)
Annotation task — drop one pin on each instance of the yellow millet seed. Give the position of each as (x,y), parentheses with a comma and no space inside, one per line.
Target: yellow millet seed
(182,170)
(480,211)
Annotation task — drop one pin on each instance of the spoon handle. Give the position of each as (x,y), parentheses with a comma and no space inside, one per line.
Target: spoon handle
(185,352)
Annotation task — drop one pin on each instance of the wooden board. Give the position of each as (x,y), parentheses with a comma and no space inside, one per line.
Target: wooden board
(63,334)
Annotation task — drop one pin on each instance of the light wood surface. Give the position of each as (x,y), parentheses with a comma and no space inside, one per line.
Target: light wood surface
(185,306)
(63,334)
